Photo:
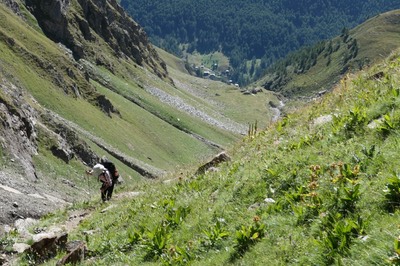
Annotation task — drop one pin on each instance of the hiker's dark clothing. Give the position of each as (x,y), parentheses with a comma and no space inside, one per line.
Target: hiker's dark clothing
(114,176)
(104,177)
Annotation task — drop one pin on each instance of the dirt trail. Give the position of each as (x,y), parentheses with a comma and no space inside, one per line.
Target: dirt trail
(75,217)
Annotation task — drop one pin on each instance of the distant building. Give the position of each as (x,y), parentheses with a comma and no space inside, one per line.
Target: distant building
(213,77)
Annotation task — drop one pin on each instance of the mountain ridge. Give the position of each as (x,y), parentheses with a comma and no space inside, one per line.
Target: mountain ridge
(104,18)
(319,186)
(253,35)
(318,68)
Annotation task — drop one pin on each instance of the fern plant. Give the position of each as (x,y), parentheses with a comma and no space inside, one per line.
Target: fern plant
(395,259)
(392,192)
(248,236)
(338,234)
(215,234)
(389,124)
(156,241)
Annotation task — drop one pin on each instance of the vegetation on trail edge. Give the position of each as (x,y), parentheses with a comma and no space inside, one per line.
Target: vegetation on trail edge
(321,186)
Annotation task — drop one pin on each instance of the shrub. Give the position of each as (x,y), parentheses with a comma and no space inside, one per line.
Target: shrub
(215,234)
(338,234)
(389,124)
(248,236)
(395,259)
(156,241)
(392,192)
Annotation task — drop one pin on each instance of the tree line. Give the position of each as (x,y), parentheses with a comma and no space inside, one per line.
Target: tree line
(243,30)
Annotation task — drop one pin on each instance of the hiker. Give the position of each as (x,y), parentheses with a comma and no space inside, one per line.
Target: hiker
(114,175)
(104,176)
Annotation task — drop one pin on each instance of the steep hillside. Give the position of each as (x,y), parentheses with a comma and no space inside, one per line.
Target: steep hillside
(80,80)
(317,68)
(319,187)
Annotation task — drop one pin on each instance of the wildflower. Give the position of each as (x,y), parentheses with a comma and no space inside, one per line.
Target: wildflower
(313,185)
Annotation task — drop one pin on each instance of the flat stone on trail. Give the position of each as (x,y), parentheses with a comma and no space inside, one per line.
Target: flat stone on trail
(39,237)
(22,226)
(20,247)
(322,120)
(108,208)
(131,194)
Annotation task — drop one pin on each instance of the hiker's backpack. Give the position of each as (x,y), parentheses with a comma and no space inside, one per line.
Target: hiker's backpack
(112,169)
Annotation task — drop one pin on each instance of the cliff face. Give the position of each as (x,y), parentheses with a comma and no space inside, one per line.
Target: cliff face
(80,24)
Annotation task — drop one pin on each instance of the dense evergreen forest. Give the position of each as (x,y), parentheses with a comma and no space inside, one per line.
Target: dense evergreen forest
(249,30)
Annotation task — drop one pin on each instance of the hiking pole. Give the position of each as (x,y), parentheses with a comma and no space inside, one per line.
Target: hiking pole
(87,177)
(88,183)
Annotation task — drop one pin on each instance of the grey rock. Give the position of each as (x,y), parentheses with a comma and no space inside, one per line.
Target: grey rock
(218,159)
(269,200)
(22,226)
(76,253)
(20,247)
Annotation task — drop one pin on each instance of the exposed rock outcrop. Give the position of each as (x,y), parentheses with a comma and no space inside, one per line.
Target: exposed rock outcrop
(77,27)
(18,134)
(23,128)
(14,6)
(219,158)
(75,253)
(67,144)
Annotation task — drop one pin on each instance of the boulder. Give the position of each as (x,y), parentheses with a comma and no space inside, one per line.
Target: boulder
(46,245)
(22,226)
(219,158)
(20,247)
(3,259)
(75,253)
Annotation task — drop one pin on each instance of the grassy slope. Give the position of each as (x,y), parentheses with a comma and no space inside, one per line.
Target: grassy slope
(376,38)
(328,180)
(201,218)
(227,99)
(152,139)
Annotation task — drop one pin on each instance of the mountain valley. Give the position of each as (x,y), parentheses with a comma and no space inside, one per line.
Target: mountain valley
(307,167)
